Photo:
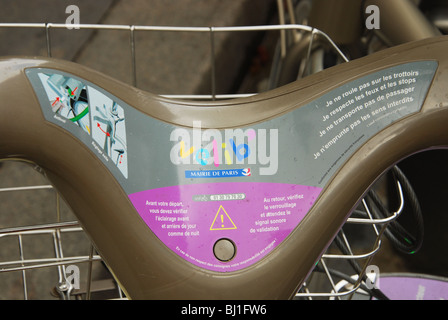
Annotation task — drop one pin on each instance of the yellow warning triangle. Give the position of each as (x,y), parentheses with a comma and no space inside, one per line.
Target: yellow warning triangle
(222,221)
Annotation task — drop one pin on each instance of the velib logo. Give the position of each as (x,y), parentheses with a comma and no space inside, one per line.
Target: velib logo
(237,146)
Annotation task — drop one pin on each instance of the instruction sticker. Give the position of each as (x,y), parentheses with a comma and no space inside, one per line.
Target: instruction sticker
(86,111)
(291,159)
(255,216)
(252,185)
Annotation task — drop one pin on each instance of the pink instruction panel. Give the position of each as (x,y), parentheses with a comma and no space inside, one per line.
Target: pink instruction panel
(255,217)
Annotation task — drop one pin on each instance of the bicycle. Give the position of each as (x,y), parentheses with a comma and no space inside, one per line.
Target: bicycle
(359,119)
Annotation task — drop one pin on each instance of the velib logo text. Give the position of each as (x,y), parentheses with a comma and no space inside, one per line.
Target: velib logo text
(213,147)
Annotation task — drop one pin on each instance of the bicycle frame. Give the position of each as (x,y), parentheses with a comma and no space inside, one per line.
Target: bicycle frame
(121,235)
(143,261)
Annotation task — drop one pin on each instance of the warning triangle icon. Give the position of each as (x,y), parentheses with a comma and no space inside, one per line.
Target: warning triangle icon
(222,221)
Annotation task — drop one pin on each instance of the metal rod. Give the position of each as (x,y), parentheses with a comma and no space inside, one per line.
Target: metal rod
(133,63)
(308,54)
(31,229)
(57,262)
(213,63)
(26,188)
(354,256)
(59,255)
(89,274)
(366,207)
(281,17)
(347,244)
(385,220)
(48,39)
(327,272)
(25,289)
(161,28)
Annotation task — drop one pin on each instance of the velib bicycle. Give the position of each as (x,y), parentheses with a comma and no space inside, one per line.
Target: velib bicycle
(239,198)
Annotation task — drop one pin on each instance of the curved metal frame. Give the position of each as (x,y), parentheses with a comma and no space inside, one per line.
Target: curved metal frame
(171,277)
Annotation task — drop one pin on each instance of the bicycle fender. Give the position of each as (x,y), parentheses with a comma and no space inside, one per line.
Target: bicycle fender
(232,199)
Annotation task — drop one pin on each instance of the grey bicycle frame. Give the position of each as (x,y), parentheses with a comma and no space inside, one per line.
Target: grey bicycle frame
(140,259)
